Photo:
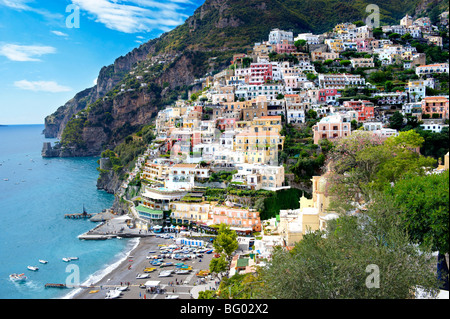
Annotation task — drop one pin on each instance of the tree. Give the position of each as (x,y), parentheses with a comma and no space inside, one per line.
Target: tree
(396,121)
(423,205)
(226,240)
(362,162)
(338,263)
(218,265)
(345,62)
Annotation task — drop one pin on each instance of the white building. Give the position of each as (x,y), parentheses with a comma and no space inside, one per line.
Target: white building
(432,68)
(309,38)
(276,36)
(434,127)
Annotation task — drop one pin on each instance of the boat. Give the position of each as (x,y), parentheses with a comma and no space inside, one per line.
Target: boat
(33,268)
(74,258)
(149,269)
(93,291)
(18,277)
(166,264)
(165,273)
(142,276)
(172,297)
(182,272)
(66,259)
(113,294)
(43,261)
(122,288)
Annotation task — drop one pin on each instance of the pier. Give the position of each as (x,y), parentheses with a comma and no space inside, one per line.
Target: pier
(82,215)
(78,216)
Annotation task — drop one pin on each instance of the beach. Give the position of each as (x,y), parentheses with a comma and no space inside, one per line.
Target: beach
(184,286)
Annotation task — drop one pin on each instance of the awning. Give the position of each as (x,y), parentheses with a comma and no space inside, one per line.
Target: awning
(152,284)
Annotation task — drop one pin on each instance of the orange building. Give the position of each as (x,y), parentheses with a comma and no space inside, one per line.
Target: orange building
(237,218)
(435,105)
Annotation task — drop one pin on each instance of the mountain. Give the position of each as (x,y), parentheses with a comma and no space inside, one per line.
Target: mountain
(102,116)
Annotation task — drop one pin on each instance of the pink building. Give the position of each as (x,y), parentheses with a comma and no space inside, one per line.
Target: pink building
(237,218)
(260,72)
(364,45)
(285,47)
(226,123)
(331,127)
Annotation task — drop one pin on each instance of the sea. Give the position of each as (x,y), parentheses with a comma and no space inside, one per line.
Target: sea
(35,194)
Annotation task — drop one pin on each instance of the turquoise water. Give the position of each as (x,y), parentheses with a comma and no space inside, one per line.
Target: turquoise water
(33,201)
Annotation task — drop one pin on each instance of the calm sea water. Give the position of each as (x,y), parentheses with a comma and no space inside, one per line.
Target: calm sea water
(33,201)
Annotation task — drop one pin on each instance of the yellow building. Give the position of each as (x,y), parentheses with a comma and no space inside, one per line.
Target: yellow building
(259,145)
(192,212)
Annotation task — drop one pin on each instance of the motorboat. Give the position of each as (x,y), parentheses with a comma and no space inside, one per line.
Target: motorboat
(122,288)
(149,269)
(113,294)
(172,297)
(168,264)
(182,272)
(142,276)
(165,273)
(33,268)
(66,259)
(43,261)
(73,258)
(18,277)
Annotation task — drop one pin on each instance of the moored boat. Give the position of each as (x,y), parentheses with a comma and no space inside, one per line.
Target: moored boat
(66,259)
(33,268)
(43,261)
(18,277)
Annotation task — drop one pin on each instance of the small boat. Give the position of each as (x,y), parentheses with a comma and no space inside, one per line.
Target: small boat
(165,273)
(73,258)
(172,297)
(113,294)
(166,264)
(149,269)
(93,291)
(182,272)
(18,277)
(122,288)
(33,268)
(142,276)
(66,259)
(43,261)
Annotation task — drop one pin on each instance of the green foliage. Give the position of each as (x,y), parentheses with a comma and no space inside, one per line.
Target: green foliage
(218,265)
(335,266)
(226,241)
(423,203)
(73,132)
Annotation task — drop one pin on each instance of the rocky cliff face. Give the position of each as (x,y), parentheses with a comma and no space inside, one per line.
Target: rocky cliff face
(102,116)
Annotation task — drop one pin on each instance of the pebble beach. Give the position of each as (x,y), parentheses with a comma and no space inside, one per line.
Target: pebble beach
(177,286)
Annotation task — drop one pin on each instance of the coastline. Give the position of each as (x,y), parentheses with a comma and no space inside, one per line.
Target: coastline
(123,273)
(109,270)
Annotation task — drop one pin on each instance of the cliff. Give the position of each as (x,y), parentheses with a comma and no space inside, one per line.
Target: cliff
(130,92)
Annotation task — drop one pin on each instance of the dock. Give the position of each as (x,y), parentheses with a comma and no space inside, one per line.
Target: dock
(82,215)
(78,216)
(55,286)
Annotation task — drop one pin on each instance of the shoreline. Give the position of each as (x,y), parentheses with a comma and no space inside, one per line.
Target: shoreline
(97,277)
(124,273)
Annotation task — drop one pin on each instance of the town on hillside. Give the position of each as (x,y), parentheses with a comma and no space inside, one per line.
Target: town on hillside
(257,133)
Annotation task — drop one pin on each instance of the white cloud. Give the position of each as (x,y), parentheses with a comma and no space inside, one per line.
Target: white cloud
(25,52)
(41,86)
(134,15)
(22,5)
(59,33)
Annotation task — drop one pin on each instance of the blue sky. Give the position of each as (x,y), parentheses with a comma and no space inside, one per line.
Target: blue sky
(47,54)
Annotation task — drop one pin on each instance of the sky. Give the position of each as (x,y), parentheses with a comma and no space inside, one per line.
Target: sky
(52,49)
